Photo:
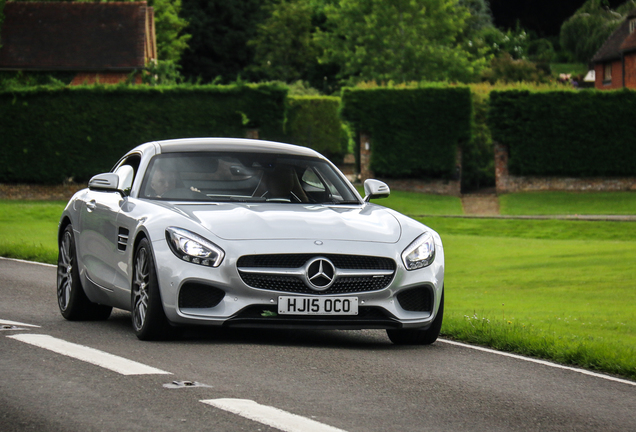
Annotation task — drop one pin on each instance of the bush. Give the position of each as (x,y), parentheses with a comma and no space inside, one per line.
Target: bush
(52,134)
(415,131)
(566,133)
(313,121)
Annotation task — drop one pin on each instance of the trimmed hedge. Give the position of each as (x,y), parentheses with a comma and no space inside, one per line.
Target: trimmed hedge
(577,134)
(314,121)
(51,134)
(415,131)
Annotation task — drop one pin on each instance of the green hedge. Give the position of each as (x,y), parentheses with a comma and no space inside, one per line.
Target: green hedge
(314,121)
(52,134)
(415,131)
(578,134)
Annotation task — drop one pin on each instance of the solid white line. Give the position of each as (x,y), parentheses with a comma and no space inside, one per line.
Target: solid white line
(15,323)
(270,416)
(89,355)
(541,362)
(27,262)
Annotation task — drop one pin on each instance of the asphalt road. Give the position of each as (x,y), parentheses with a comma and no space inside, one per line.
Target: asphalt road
(351,381)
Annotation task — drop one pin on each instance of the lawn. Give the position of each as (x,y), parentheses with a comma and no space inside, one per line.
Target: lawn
(568,203)
(555,289)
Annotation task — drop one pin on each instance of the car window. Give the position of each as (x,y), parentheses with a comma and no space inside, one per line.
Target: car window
(260,177)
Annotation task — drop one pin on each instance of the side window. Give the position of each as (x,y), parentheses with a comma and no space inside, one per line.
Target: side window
(310,178)
(127,170)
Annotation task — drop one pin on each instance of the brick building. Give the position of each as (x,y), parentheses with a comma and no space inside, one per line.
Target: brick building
(102,42)
(615,62)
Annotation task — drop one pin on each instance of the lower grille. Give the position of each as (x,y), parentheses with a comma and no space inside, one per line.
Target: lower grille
(418,299)
(267,316)
(196,296)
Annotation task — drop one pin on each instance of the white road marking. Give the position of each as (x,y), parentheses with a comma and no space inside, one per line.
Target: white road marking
(89,355)
(270,416)
(28,262)
(15,323)
(541,362)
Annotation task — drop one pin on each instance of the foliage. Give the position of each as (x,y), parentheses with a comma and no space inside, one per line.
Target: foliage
(284,45)
(220,32)
(415,132)
(480,15)
(585,32)
(169,28)
(506,69)
(566,133)
(398,41)
(82,131)
(162,72)
(313,121)
(478,159)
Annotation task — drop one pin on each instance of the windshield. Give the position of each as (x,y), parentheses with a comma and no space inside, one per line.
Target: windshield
(244,177)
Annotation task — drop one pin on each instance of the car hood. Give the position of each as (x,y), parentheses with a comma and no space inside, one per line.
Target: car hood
(232,221)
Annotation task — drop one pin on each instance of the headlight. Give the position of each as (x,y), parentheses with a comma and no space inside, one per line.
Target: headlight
(420,253)
(193,248)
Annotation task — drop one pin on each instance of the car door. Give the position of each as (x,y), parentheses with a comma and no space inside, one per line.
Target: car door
(98,237)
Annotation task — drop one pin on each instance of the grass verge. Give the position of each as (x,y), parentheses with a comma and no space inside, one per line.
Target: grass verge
(28,229)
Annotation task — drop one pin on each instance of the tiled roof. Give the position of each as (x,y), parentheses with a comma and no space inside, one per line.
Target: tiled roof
(611,49)
(630,43)
(73,36)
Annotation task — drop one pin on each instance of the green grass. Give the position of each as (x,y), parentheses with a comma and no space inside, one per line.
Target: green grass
(412,203)
(568,68)
(566,300)
(568,203)
(28,229)
(554,289)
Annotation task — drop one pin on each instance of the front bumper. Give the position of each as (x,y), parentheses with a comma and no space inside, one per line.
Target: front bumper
(229,301)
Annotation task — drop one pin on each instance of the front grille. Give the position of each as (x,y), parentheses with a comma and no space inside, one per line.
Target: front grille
(418,299)
(343,284)
(196,295)
(298,260)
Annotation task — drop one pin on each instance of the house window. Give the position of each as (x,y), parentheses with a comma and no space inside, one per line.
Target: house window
(607,73)
(632,25)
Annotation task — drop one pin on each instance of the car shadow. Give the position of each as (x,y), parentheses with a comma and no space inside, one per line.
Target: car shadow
(341,339)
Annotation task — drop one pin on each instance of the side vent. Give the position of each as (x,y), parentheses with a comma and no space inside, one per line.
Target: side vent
(122,239)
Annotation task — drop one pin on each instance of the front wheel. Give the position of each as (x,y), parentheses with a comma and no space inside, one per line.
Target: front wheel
(148,317)
(71,299)
(418,336)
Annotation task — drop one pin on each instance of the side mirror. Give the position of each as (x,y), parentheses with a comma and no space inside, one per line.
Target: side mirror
(375,189)
(104,182)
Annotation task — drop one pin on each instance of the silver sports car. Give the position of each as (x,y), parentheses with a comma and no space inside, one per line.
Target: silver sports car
(245,233)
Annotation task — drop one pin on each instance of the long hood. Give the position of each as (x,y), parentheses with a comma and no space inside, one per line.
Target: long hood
(295,222)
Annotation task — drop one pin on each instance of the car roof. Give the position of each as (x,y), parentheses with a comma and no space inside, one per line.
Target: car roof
(233,144)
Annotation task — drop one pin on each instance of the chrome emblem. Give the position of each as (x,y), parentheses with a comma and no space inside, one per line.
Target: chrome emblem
(321,274)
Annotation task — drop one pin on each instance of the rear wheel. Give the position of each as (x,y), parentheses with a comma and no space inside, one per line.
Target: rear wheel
(418,336)
(148,317)
(71,299)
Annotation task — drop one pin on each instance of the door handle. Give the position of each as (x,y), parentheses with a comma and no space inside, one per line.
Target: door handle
(91,205)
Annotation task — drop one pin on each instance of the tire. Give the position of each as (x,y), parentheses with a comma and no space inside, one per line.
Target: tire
(148,317)
(418,336)
(71,299)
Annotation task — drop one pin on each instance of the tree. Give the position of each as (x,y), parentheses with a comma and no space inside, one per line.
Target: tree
(398,40)
(585,31)
(169,26)
(220,31)
(284,46)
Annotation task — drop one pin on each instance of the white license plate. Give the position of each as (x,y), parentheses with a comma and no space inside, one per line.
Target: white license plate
(317,305)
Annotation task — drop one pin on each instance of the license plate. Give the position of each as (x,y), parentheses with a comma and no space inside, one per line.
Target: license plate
(317,305)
